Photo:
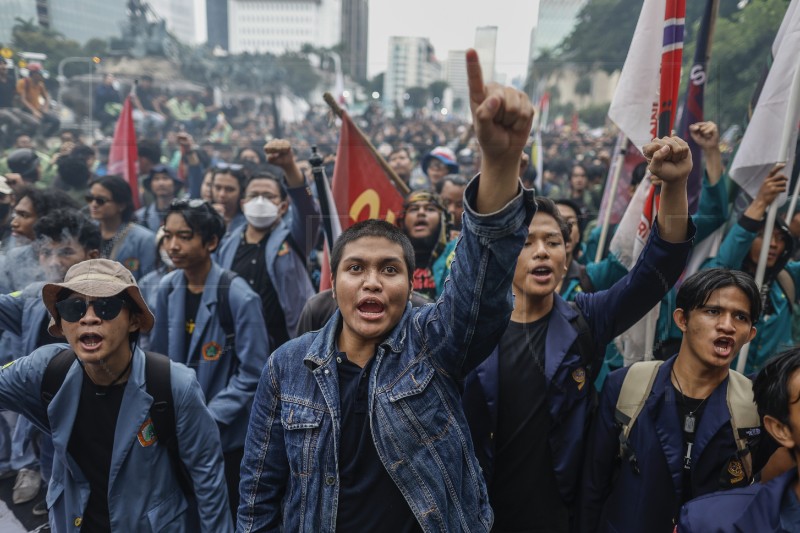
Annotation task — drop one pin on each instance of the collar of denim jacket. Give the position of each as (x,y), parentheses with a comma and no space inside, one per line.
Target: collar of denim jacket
(323,348)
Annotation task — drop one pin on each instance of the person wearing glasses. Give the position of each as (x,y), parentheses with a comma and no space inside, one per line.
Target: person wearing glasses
(110,473)
(227,190)
(63,237)
(270,252)
(111,205)
(191,303)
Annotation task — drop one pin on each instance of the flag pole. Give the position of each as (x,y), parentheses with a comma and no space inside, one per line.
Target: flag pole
(612,195)
(793,202)
(789,126)
(396,181)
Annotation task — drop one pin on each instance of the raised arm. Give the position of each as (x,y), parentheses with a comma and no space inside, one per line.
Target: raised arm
(502,117)
(670,161)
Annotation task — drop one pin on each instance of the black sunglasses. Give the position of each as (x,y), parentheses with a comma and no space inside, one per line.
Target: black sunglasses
(99,200)
(73,309)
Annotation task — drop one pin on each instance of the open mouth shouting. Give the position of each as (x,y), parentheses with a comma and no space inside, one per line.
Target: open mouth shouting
(371,309)
(541,274)
(723,346)
(90,342)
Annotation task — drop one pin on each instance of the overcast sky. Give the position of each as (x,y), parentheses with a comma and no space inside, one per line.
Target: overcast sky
(450,25)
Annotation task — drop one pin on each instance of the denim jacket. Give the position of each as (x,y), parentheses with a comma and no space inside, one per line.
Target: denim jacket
(290,478)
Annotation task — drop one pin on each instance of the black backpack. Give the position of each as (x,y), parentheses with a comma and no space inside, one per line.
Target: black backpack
(162,411)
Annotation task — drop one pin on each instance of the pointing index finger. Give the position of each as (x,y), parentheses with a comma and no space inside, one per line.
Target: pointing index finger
(477,89)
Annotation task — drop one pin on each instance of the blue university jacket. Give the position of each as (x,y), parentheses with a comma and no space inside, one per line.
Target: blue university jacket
(21,315)
(650,500)
(137,252)
(756,508)
(148,217)
(285,264)
(570,391)
(290,478)
(228,383)
(143,491)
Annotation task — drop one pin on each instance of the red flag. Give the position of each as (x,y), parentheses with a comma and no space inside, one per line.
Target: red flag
(361,188)
(123,158)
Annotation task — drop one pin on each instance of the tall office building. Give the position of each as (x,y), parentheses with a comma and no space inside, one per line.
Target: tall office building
(217,23)
(411,63)
(455,74)
(486,46)
(181,18)
(79,20)
(283,25)
(355,32)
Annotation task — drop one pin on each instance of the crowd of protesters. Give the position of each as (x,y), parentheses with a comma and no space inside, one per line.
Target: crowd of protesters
(461,372)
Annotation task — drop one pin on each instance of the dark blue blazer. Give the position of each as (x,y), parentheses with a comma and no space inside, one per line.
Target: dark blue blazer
(756,508)
(570,390)
(617,498)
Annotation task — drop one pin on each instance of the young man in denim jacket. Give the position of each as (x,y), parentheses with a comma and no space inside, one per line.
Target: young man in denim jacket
(359,426)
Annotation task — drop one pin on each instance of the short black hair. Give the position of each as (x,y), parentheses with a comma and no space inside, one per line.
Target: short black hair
(46,200)
(150,150)
(201,218)
(83,151)
(62,224)
(548,207)
(771,386)
(697,289)
(373,228)
(579,212)
(456,179)
(120,194)
(239,175)
(266,175)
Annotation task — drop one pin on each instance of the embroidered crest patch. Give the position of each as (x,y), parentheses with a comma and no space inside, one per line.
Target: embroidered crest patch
(147,434)
(579,375)
(211,351)
(736,470)
(131,264)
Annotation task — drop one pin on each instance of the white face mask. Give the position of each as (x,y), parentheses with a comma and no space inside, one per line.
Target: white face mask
(260,212)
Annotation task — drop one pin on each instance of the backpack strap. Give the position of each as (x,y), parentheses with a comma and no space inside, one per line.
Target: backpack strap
(745,421)
(787,284)
(224,308)
(54,375)
(583,344)
(635,390)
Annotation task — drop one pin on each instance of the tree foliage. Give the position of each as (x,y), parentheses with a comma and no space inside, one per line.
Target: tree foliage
(740,51)
(418,97)
(436,89)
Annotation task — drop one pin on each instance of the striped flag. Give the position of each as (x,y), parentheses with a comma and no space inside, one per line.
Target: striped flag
(693,102)
(644,107)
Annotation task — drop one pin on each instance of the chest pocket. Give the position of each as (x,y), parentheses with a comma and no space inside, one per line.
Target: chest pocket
(301,425)
(417,404)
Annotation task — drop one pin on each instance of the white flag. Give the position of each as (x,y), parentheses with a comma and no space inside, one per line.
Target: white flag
(634,108)
(761,144)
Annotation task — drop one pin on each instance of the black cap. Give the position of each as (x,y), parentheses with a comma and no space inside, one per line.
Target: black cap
(23,161)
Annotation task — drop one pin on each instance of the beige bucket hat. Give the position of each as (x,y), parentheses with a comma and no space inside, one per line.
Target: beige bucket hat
(98,278)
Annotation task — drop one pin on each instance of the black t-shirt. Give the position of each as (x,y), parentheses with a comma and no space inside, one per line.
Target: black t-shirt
(146,98)
(190,313)
(250,263)
(91,444)
(368,498)
(7,91)
(524,494)
(689,412)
